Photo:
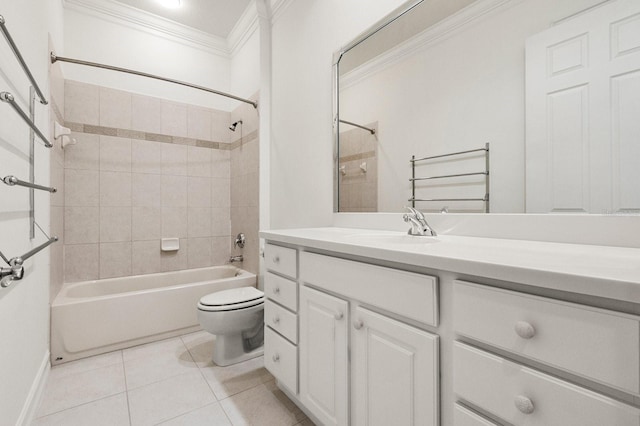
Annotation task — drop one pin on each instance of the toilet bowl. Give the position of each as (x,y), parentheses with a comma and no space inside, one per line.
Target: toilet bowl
(236,317)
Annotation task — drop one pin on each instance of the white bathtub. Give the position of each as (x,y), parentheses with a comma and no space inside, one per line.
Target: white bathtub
(94,317)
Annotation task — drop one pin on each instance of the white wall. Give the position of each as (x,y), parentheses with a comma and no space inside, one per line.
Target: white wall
(454,95)
(245,68)
(305,36)
(118,43)
(24,307)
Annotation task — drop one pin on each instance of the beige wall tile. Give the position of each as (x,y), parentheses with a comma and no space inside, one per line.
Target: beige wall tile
(199,222)
(146,223)
(81,187)
(115,108)
(81,225)
(174,119)
(145,257)
(115,154)
(198,192)
(221,250)
(174,260)
(146,190)
(81,103)
(220,122)
(56,270)
(221,222)
(115,259)
(83,155)
(220,163)
(146,114)
(174,159)
(115,224)
(220,192)
(56,221)
(115,189)
(198,161)
(174,191)
(252,189)
(198,123)
(81,262)
(199,252)
(146,157)
(57,181)
(174,222)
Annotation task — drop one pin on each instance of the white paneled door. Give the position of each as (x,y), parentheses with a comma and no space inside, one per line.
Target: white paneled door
(583,113)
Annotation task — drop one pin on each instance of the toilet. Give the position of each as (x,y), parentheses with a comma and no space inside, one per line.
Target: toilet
(236,317)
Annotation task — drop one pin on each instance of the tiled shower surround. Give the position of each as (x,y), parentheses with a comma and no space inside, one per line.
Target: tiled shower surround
(144,169)
(359,178)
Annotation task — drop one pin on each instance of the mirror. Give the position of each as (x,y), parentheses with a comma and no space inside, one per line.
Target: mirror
(441,77)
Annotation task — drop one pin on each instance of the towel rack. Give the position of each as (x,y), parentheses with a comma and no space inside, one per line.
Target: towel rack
(8,98)
(23,64)
(484,172)
(14,181)
(15,270)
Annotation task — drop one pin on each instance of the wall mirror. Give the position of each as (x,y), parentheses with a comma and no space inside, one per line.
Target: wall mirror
(506,106)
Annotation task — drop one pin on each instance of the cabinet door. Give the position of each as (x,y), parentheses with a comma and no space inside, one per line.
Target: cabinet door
(324,356)
(395,379)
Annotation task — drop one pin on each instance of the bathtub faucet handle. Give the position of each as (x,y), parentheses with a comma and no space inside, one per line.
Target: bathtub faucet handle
(240,240)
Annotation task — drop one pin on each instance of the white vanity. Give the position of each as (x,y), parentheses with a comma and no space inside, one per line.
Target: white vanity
(380,328)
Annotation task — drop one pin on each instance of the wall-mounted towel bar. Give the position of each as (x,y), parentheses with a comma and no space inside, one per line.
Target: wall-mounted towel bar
(23,64)
(372,131)
(55,58)
(8,98)
(15,271)
(484,173)
(14,181)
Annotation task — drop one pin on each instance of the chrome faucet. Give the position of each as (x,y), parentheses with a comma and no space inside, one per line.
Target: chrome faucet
(419,225)
(238,258)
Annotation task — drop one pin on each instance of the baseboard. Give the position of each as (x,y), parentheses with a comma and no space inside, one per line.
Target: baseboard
(35,393)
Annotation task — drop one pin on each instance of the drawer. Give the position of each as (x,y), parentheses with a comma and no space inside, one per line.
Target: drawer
(281,260)
(593,343)
(465,417)
(520,395)
(408,294)
(282,290)
(281,359)
(281,320)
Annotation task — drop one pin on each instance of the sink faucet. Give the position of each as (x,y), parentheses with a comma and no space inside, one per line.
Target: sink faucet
(419,225)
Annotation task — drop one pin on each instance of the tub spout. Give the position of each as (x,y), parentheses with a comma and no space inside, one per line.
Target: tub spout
(238,258)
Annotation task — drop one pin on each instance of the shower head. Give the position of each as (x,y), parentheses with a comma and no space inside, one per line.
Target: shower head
(233,126)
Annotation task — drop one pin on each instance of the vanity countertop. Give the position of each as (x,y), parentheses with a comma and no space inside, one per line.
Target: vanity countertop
(602,271)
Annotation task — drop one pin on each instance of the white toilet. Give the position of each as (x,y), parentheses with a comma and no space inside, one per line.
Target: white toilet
(236,317)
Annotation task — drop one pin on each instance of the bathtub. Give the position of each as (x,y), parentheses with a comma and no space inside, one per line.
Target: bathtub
(94,317)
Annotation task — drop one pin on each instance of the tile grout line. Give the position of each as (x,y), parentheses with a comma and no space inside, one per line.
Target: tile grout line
(80,405)
(126,386)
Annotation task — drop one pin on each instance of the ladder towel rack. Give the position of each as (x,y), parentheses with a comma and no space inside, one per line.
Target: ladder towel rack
(8,98)
(484,173)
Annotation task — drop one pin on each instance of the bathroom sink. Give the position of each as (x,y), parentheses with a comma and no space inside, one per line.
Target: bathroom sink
(395,238)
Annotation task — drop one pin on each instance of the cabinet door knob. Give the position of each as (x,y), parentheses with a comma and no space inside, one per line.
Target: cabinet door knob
(276,259)
(275,358)
(339,315)
(358,324)
(276,319)
(524,404)
(276,290)
(525,330)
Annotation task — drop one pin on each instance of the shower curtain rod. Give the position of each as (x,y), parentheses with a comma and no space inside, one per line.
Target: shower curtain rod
(372,131)
(55,58)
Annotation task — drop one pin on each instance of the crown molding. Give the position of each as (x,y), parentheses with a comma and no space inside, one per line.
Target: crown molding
(277,8)
(135,18)
(431,36)
(243,29)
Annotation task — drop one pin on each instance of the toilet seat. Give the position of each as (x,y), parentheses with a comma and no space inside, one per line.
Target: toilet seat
(231,300)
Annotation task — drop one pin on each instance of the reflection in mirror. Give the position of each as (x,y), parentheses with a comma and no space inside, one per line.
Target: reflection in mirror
(552,86)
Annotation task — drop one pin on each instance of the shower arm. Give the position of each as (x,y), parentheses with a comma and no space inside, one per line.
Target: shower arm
(55,58)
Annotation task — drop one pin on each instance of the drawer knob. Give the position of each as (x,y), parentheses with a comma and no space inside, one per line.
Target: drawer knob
(339,315)
(276,259)
(276,320)
(358,324)
(525,330)
(524,404)
(275,358)
(276,290)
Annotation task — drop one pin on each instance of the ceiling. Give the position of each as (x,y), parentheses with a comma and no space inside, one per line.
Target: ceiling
(216,17)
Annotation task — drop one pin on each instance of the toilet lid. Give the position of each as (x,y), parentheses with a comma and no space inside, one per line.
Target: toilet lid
(235,298)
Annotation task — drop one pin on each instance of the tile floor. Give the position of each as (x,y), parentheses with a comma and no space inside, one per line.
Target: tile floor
(170,382)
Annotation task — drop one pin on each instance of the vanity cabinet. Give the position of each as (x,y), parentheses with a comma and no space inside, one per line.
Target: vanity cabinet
(392,376)
(280,315)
